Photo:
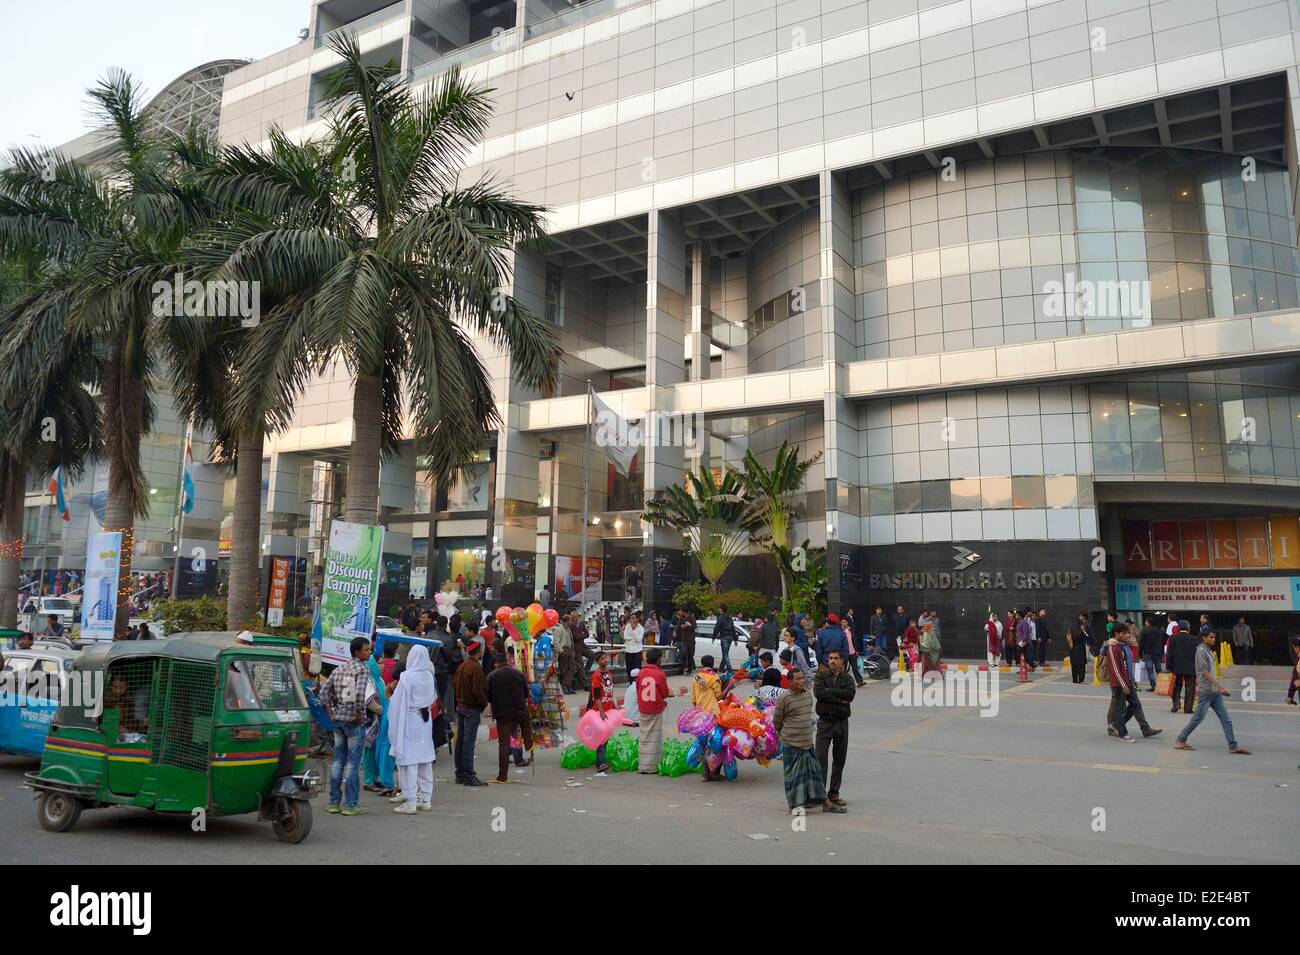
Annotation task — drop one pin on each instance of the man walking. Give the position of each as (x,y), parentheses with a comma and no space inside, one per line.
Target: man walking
(566,661)
(344,698)
(792,718)
(1212,696)
(507,693)
(1150,646)
(1243,641)
(652,699)
(1124,702)
(725,630)
(1044,637)
(834,690)
(471,698)
(1181,662)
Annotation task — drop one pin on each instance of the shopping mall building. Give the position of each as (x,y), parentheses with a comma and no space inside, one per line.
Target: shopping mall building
(1025,274)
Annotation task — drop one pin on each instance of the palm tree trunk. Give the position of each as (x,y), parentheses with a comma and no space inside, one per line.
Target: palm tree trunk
(13,481)
(363,460)
(124,422)
(243,599)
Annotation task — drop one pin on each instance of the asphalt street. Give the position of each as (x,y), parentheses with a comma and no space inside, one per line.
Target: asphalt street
(1040,782)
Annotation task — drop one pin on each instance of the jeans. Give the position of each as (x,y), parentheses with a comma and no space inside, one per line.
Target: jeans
(724,665)
(1124,707)
(832,751)
(349,743)
(1210,700)
(1153,667)
(467,721)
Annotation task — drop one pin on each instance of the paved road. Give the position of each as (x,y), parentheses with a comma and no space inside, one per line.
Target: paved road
(925,785)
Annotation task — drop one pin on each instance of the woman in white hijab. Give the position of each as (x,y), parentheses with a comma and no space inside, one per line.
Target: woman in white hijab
(410,731)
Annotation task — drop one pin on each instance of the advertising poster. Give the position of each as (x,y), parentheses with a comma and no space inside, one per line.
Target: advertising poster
(278,592)
(352,576)
(568,578)
(99,596)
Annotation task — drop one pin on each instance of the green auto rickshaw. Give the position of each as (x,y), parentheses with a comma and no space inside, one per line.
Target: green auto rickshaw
(201,722)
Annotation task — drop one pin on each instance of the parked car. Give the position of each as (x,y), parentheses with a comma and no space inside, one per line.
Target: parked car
(706,642)
(37,610)
(31,686)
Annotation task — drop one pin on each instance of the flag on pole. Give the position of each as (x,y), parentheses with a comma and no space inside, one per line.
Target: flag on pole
(56,489)
(187,480)
(619,440)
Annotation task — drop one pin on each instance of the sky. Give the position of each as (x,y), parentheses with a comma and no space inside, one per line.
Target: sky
(52,51)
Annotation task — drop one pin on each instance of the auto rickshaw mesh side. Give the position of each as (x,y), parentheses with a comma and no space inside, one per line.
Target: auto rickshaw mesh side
(186,736)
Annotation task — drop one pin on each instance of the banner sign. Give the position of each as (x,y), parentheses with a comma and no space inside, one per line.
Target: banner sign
(352,575)
(568,577)
(1209,593)
(278,592)
(99,595)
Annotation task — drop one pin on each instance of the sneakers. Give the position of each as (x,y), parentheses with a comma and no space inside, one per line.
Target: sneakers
(332,807)
(397,797)
(405,809)
(1110,730)
(425,806)
(1149,733)
(1127,739)
(355,811)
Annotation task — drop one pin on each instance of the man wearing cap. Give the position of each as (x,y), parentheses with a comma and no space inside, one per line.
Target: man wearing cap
(470,685)
(831,637)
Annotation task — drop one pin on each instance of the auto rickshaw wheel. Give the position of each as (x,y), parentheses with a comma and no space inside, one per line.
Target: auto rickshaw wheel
(293,825)
(57,812)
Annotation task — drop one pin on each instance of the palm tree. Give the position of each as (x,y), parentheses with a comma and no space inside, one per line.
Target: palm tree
(393,265)
(714,517)
(113,236)
(48,417)
(238,393)
(771,494)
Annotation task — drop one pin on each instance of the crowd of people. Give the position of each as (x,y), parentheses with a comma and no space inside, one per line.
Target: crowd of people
(392,715)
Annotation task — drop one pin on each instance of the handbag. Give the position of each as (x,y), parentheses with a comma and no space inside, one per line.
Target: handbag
(1165,684)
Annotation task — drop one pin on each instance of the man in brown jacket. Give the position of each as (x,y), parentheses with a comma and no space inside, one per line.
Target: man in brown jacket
(470,685)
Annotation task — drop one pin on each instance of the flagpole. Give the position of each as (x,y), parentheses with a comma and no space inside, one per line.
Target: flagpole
(180,511)
(586,492)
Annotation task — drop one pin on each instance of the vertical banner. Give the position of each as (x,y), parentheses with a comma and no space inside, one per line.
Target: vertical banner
(278,592)
(1196,545)
(99,595)
(1137,546)
(1223,544)
(352,575)
(1252,541)
(1166,546)
(1284,532)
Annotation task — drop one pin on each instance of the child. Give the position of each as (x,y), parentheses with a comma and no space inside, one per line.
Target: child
(631,710)
(601,699)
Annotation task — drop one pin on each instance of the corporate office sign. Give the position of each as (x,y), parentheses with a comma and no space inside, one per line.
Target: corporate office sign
(1221,593)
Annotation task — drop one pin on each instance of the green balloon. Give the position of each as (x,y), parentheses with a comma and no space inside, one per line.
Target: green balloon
(621,752)
(577,756)
(673,762)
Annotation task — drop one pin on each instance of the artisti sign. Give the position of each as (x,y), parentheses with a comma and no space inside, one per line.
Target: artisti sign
(1018,581)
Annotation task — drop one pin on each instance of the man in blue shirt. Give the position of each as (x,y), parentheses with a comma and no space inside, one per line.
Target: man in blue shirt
(831,637)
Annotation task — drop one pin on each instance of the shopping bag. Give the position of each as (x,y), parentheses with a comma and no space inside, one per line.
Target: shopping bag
(1165,684)
(1140,671)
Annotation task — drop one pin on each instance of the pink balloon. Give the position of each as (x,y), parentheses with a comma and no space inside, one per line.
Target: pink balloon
(591,730)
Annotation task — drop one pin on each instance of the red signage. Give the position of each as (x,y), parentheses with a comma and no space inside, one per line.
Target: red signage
(1196,545)
(1137,545)
(1166,545)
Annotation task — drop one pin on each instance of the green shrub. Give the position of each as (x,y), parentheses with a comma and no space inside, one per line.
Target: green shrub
(742,603)
(185,616)
(694,596)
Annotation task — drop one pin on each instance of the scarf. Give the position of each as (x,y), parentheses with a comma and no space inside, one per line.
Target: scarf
(416,690)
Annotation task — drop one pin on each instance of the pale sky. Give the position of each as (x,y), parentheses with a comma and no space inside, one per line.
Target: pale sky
(52,51)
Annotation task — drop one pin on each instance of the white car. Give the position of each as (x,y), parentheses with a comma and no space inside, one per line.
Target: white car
(38,610)
(706,642)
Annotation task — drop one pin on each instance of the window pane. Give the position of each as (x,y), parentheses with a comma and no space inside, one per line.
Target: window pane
(965,494)
(907,497)
(1144,411)
(1061,490)
(1109,414)
(1112,457)
(934,496)
(996,492)
(880,500)
(1027,492)
(1086,498)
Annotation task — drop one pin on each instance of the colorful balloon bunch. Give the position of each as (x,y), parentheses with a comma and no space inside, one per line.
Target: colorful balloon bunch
(739,731)
(525,624)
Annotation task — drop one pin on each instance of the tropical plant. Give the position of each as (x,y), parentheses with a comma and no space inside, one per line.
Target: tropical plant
(109,238)
(392,265)
(48,417)
(191,615)
(696,596)
(713,516)
(809,593)
(772,492)
(740,602)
